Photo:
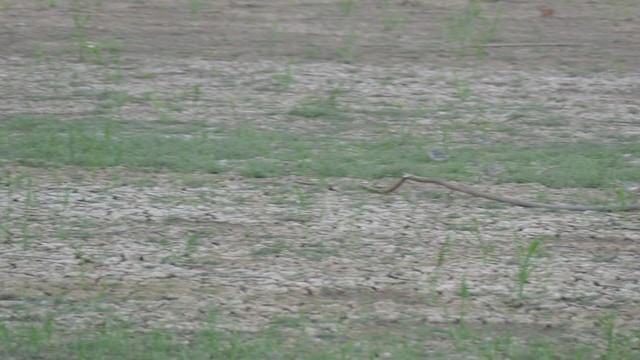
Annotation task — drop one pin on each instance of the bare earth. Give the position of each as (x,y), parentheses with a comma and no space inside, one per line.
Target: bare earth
(163,250)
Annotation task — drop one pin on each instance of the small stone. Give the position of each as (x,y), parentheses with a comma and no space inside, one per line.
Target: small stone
(437,155)
(492,169)
(629,185)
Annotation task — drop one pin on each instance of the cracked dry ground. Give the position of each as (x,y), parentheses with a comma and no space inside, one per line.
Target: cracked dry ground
(163,254)
(164,250)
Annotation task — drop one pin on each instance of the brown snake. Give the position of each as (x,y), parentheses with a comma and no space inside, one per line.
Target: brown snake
(503,199)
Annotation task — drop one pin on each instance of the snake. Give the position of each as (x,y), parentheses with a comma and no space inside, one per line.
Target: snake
(503,199)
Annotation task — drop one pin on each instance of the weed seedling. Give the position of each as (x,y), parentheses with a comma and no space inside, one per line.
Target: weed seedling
(346,7)
(276,33)
(195,8)
(464,296)
(486,247)
(26,236)
(39,55)
(440,259)
(391,17)
(233,106)
(192,242)
(161,111)
(524,256)
(320,107)
(463,89)
(81,22)
(608,323)
(472,28)
(284,81)
(461,331)
(622,196)
(442,253)
(348,51)
(197,92)
(43,4)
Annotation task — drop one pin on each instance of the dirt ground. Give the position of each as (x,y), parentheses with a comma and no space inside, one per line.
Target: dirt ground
(163,250)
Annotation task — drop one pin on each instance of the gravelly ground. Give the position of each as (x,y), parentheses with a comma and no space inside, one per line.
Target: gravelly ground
(350,260)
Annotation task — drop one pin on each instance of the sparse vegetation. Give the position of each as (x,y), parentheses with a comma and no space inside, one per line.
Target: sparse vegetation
(181,181)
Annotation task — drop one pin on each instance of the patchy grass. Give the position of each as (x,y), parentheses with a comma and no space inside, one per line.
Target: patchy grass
(321,107)
(103,142)
(119,340)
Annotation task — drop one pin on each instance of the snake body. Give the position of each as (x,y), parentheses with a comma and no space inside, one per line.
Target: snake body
(502,199)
